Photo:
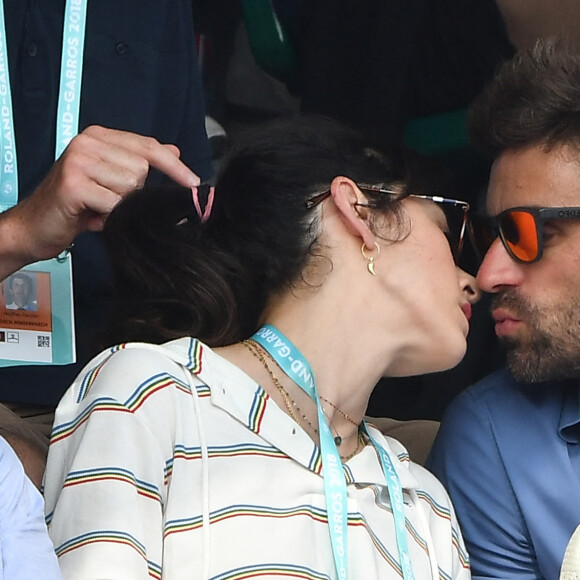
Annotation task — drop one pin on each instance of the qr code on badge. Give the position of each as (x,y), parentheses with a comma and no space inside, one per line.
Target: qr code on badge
(43,341)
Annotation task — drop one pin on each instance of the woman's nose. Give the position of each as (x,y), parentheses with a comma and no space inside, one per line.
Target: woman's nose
(469,286)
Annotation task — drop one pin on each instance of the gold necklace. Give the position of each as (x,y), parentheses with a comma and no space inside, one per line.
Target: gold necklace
(338,438)
(288,400)
(252,346)
(357,425)
(360,443)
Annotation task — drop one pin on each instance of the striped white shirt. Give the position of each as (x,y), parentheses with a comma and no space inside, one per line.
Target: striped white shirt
(170,462)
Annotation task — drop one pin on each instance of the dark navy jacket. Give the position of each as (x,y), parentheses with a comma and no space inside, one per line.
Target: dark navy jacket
(141,75)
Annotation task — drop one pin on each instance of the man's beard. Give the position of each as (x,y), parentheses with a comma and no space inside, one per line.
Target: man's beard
(550,350)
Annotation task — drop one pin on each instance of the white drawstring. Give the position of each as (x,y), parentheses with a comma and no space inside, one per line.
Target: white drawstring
(204,477)
(426,535)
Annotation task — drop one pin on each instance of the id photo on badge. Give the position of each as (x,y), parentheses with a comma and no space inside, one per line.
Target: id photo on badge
(20,292)
(25,317)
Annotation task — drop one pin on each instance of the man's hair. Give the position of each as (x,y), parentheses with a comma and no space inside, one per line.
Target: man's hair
(27,282)
(534,99)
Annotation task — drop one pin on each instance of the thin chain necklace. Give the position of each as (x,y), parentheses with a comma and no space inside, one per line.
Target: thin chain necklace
(291,404)
(357,425)
(360,443)
(288,400)
(338,438)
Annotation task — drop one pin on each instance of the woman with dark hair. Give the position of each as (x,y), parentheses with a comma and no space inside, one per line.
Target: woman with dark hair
(315,267)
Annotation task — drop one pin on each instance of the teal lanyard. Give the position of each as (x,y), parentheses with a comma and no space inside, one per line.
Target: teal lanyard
(71,73)
(291,361)
(69,97)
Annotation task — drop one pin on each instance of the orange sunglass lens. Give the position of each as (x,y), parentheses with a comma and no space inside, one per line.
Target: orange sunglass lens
(520,234)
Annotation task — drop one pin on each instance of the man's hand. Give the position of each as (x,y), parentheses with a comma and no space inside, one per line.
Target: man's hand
(95,171)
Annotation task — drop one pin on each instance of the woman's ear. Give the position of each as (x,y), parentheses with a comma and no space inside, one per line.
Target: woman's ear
(346,195)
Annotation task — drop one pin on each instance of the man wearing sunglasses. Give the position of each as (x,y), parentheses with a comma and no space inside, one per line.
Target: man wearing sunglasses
(509,447)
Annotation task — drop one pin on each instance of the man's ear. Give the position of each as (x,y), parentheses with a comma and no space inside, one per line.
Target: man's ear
(346,195)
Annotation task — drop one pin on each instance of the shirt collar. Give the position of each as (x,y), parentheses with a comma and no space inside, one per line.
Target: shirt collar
(275,426)
(569,428)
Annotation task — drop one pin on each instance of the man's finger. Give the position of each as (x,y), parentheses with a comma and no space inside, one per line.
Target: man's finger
(126,148)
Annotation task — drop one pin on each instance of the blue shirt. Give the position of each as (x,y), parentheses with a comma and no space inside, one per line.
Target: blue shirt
(141,75)
(508,454)
(26,551)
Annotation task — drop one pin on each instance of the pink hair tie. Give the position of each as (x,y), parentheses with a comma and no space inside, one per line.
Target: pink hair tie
(203,216)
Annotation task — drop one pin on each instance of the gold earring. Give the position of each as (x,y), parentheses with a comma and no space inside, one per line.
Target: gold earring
(370,259)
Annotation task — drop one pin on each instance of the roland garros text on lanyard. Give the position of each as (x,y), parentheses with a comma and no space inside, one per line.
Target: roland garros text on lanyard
(291,361)
(69,97)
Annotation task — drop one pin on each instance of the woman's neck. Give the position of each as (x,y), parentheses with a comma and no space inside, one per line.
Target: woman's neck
(345,367)
(295,397)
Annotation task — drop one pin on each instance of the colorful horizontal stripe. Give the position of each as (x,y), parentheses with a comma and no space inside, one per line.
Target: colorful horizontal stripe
(100,475)
(106,536)
(68,428)
(182,525)
(261,511)
(439,509)
(272,570)
(148,389)
(87,381)
(203,391)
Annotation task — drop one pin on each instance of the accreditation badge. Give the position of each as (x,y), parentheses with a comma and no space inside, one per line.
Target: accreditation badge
(36,314)
(36,303)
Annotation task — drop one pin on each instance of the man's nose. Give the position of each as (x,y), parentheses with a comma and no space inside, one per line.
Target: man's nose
(498,269)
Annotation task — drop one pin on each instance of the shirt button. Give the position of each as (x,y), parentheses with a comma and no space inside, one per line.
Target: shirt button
(121,48)
(32,49)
